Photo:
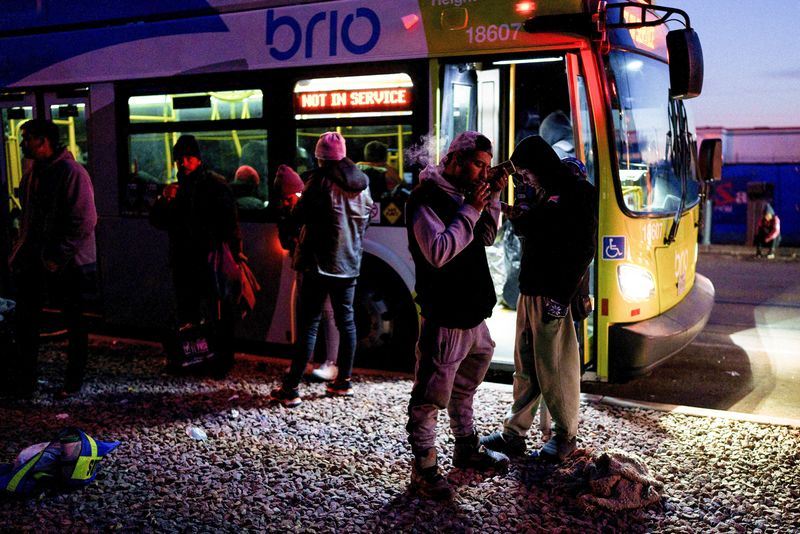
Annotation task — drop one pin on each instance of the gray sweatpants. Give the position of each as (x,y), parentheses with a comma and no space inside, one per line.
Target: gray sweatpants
(546,364)
(451,364)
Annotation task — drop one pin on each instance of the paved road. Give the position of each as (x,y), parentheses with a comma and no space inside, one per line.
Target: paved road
(747,359)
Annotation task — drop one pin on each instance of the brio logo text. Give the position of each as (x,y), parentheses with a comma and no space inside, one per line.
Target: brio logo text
(324,21)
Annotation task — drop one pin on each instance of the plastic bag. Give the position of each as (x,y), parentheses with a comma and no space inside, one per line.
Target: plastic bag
(71,459)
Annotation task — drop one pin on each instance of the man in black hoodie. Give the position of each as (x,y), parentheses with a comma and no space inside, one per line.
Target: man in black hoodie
(559,234)
(332,214)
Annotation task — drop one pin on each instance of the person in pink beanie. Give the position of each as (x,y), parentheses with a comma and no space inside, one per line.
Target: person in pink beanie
(330,147)
(332,215)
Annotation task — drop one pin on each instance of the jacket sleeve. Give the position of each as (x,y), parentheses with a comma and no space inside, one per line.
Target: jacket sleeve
(488,223)
(439,243)
(229,220)
(80,217)
(310,204)
(583,230)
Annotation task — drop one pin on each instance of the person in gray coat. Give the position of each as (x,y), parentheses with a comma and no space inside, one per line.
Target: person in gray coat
(55,254)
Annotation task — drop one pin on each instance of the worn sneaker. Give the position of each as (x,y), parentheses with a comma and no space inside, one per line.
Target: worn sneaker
(508,444)
(339,389)
(288,397)
(429,483)
(324,373)
(468,453)
(557,449)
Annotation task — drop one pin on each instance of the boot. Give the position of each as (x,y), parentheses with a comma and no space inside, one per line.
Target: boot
(508,444)
(470,454)
(556,450)
(426,481)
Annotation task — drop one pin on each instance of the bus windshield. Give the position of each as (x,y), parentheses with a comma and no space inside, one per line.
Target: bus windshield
(640,109)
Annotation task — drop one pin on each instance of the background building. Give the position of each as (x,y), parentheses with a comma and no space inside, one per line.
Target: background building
(760,165)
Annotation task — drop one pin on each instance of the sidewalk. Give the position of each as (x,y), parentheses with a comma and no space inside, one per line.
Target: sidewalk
(783,253)
(342,465)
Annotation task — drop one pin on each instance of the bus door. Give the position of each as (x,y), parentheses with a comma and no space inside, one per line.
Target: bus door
(69,109)
(509,99)
(584,151)
(15,109)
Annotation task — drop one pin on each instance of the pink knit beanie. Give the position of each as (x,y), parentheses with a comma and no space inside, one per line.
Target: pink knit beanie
(287,182)
(330,147)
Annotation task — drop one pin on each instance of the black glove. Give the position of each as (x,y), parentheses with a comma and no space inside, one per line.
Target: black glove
(553,311)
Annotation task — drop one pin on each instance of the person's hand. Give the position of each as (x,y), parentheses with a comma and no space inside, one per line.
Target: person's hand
(169,191)
(499,183)
(478,197)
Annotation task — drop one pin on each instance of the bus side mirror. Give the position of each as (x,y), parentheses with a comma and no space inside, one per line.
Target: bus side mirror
(709,162)
(685,63)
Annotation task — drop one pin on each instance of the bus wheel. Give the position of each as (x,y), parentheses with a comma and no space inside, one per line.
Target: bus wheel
(386,320)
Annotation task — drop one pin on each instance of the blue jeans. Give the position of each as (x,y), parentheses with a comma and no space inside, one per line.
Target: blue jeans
(313,291)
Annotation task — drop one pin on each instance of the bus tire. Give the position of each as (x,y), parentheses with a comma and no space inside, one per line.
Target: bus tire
(386,319)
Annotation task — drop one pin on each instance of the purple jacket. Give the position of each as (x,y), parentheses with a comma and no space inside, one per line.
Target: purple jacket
(58,214)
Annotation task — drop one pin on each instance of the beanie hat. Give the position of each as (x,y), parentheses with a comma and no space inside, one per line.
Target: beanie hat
(768,210)
(331,147)
(287,182)
(247,175)
(470,141)
(186,145)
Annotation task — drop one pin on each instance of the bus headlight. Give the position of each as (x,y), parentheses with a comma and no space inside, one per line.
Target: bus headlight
(635,283)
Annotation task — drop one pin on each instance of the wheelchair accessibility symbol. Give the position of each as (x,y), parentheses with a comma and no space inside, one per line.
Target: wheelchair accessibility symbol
(613,247)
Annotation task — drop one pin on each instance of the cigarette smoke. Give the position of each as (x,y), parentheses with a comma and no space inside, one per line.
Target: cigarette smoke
(424,152)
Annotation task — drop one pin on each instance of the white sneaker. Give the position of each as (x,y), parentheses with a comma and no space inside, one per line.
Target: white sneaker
(325,372)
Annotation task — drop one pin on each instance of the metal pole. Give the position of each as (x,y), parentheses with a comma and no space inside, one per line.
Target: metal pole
(707,222)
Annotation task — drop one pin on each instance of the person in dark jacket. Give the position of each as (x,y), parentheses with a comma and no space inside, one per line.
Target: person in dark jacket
(245,189)
(556,129)
(768,232)
(559,234)
(382,177)
(452,216)
(200,215)
(332,214)
(54,255)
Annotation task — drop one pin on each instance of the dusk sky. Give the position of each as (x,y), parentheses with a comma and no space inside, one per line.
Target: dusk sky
(752,61)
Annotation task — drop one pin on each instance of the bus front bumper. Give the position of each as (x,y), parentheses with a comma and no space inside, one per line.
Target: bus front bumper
(637,348)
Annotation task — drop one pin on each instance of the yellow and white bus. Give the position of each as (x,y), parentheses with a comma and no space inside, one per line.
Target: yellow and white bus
(258,80)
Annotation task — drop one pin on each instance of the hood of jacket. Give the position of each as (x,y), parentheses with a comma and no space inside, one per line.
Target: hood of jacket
(348,176)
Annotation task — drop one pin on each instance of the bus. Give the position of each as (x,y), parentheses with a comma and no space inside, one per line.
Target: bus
(257,81)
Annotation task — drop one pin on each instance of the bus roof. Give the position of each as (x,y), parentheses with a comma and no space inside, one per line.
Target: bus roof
(57,43)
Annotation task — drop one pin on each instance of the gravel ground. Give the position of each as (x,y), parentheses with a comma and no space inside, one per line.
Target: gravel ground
(342,465)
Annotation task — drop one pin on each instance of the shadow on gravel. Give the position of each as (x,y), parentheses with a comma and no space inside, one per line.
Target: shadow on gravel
(408,513)
(714,376)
